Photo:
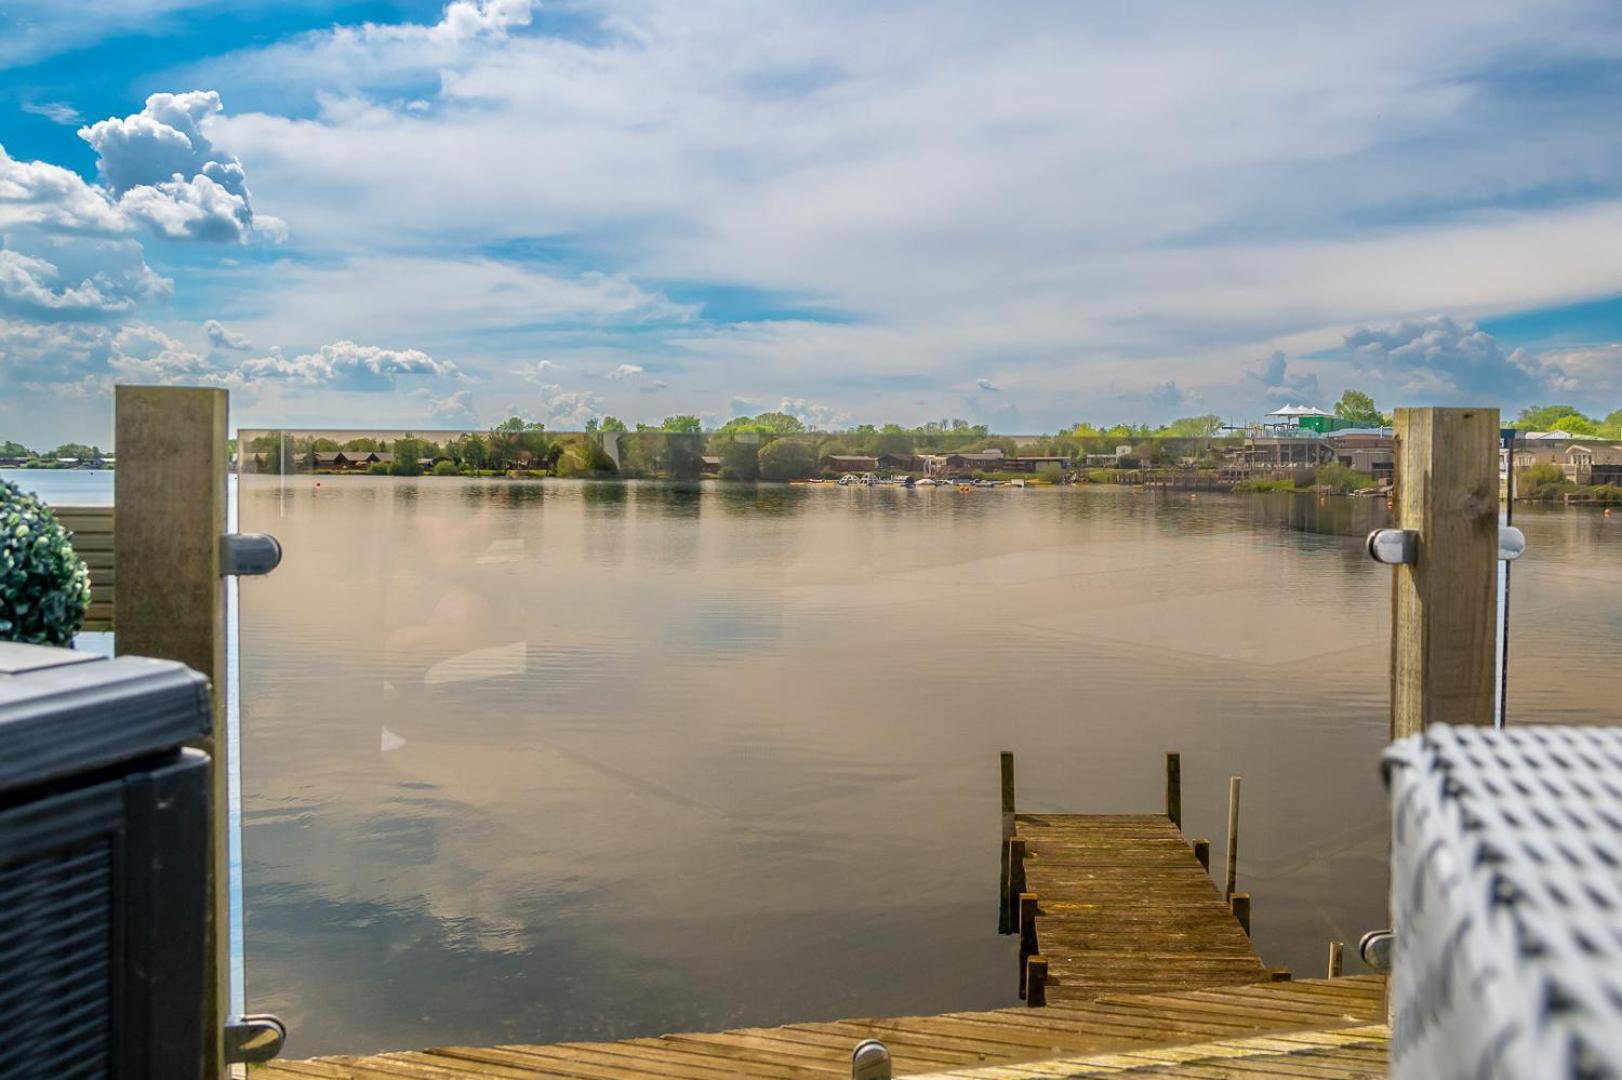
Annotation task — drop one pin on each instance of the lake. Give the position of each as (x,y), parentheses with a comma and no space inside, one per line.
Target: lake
(536,761)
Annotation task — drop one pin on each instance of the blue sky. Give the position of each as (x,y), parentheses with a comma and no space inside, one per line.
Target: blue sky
(419,214)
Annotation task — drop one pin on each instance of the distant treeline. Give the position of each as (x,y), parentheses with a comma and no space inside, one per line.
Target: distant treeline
(759,448)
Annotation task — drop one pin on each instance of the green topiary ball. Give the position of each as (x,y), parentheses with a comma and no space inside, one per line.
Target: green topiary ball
(44,588)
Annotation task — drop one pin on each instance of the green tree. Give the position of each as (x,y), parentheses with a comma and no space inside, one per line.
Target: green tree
(325,446)
(770,423)
(1358,407)
(369,445)
(1575,424)
(613,423)
(788,459)
(77,451)
(407,450)
(740,459)
(592,425)
(472,451)
(1542,417)
(1192,427)
(11,449)
(685,425)
(1611,426)
(445,468)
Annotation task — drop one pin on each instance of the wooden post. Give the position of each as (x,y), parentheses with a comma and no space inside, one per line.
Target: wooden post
(1036,981)
(1279,974)
(1005,913)
(1007,794)
(1013,883)
(1336,951)
(169,515)
(1443,605)
(1231,874)
(1027,934)
(1202,852)
(1239,903)
(1174,789)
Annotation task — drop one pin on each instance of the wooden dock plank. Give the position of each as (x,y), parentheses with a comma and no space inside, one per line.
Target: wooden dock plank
(1212,1027)
(1123,905)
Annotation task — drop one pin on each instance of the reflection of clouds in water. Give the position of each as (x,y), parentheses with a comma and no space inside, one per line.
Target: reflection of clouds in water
(669,735)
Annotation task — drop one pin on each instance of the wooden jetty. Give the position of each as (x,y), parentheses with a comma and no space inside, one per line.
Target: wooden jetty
(1142,966)
(1290,1021)
(1111,903)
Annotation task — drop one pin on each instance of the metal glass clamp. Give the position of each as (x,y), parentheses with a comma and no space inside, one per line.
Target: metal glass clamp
(252,1039)
(248,554)
(870,1061)
(1375,949)
(1400,547)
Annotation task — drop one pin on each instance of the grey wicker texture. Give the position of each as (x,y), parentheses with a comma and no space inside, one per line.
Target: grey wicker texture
(1506,898)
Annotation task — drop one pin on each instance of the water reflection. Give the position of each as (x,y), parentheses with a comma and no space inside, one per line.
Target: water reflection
(552,760)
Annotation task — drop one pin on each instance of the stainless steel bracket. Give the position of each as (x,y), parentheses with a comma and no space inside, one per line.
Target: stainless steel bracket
(253,1039)
(248,554)
(1400,547)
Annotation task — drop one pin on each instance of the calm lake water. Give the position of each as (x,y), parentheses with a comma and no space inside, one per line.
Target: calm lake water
(559,760)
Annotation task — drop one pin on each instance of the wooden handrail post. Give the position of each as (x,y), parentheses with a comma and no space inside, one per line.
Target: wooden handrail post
(1005,912)
(1443,604)
(169,515)
(1174,789)
(1230,873)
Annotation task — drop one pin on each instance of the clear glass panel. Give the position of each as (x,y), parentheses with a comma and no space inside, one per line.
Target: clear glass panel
(1565,606)
(627,742)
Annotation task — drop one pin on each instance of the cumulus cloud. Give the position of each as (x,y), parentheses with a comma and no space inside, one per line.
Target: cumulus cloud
(816,415)
(221,338)
(148,355)
(35,287)
(43,196)
(167,174)
(344,365)
(625,371)
(455,410)
(1168,395)
(1279,383)
(1442,358)
(567,410)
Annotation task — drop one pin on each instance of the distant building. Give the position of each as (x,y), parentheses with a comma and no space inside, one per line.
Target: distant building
(1371,451)
(849,463)
(1587,463)
(711,464)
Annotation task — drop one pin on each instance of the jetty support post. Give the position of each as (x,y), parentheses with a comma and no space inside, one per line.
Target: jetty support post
(169,516)
(1202,852)
(1231,872)
(1036,981)
(1239,904)
(1337,951)
(1028,946)
(1444,602)
(1174,789)
(1005,912)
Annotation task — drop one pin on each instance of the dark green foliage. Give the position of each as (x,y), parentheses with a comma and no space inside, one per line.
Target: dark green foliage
(788,459)
(44,588)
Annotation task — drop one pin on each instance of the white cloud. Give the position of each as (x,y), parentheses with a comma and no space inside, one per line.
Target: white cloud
(221,338)
(815,414)
(1280,383)
(567,410)
(455,410)
(344,365)
(1441,358)
(34,287)
(146,354)
(57,112)
(41,195)
(988,386)
(169,175)
(625,371)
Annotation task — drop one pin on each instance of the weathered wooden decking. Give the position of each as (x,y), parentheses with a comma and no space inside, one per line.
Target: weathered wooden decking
(1300,1021)
(1122,905)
